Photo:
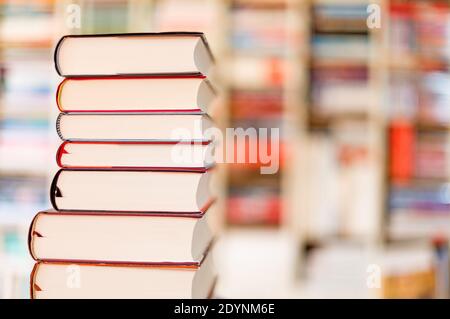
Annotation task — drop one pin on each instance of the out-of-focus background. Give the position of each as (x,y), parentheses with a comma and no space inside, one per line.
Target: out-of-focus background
(361,204)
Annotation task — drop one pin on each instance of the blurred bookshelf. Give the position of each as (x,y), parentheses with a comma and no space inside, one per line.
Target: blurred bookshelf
(364,124)
(418,176)
(26,37)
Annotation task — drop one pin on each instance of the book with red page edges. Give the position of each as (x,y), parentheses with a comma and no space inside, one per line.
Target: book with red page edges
(49,280)
(135,94)
(401,146)
(155,155)
(120,237)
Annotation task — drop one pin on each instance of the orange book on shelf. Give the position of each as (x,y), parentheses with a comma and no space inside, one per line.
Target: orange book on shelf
(401,150)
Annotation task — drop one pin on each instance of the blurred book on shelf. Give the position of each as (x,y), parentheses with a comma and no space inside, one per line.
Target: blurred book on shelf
(340,17)
(419,31)
(340,89)
(254,206)
(19,197)
(259,104)
(258,32)
(27,24)
(256,72)
(189,15)
(343,48)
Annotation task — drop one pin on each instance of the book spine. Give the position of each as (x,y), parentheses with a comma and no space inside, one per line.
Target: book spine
(54,190)
(33,286)
(56,55)
(58,95)
(58,126)
(30,236)
(59,153)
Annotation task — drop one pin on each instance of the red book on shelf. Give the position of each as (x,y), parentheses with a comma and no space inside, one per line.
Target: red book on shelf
(254,209)
(401,149)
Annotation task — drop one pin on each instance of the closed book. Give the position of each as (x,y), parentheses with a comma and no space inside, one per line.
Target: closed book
(133,54)
(135,94)
(142,238)
(144,155)
(59,280)
(134,127)
(132,191)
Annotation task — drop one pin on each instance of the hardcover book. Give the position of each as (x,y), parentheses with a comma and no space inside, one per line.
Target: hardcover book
(120,237)
(133,54)
(133,94)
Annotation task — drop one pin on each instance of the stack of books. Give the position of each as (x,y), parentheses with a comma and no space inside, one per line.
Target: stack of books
(131,200)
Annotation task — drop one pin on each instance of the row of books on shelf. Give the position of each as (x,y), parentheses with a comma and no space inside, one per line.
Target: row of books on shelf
(416,154)
(413,269)
(21,195)
(256,104)
(22,140)
(257,72)
(339,89)
(26,33)
(340,48)
(254,206)
(345,17)
(259,32)
(420,96)
(259,37)
(26,84)
(420,30)
(425,199)
(27,24)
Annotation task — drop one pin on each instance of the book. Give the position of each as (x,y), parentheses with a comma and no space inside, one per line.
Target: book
(133,127)
(150,94)
(131,191)
(426,198)
(259,104)
(341,47)
(402,145)
(340,18)
(261,31)
(432,155)
(254,206)
(179,155)
(133,54)
(120,281)
(120,237)
(339,89)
